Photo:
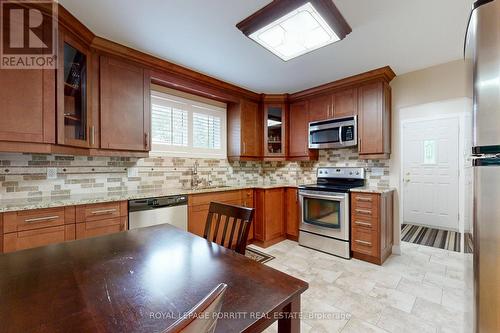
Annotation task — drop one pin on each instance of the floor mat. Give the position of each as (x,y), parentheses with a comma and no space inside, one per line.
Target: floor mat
(257,255)
(443,239)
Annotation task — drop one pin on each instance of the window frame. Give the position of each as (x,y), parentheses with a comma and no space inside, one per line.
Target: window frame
(191,106)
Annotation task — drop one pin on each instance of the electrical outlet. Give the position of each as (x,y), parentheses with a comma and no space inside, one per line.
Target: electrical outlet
(132,172)
(51,173)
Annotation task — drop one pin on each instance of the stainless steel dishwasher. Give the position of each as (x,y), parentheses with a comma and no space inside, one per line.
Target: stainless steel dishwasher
(153,211)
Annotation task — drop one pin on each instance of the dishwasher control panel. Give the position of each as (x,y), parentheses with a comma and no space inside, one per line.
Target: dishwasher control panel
(159,202)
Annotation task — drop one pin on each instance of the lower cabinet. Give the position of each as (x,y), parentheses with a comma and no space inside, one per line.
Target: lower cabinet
(292,213)
(270,216)
(101,219)
(198,205)
(372,226)
(33,228)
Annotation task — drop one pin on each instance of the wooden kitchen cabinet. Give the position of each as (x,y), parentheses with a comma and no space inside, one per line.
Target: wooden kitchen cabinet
(270,216)
(74,118)
(33,228)
(298,142)
(101,219)
(372,226)
(275,124)
(198,205)
(345,103)
(320,107)
(292,209)
(28,107)
(244,131)
(374,121)
(125,105)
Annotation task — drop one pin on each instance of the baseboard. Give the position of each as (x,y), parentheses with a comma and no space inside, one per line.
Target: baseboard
(396,249)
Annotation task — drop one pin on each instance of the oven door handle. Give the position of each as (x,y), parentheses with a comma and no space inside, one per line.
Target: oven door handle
(326,197)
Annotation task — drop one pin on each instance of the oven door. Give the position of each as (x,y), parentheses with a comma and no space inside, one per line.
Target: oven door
(325,214)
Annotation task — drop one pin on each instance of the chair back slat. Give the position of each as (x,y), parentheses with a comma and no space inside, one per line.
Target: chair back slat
(226,223)
(208,225)
(216,231)
(238,233)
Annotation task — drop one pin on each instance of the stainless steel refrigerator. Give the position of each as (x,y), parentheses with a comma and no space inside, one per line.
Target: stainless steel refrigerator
(483,52)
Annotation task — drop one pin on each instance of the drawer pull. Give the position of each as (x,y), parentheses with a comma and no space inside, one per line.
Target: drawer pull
(104,212)
(41,219)
(364,199)
(363,242)
(363,224)
(364,211)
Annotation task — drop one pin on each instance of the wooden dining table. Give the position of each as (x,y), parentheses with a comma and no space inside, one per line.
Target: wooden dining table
(140,281)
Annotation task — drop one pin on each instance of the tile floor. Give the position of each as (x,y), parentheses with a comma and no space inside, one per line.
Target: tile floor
(422,290)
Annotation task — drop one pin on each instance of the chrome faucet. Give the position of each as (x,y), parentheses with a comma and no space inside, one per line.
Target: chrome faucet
(195,179)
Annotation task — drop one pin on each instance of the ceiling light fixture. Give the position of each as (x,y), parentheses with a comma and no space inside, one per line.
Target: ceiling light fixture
(291,28)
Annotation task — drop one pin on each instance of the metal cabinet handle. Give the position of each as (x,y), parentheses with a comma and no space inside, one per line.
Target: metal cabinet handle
(146,140)
(364,199)
(104,212)
(363,224)
(363,242)
(92,135)
(42,219)
(364,211)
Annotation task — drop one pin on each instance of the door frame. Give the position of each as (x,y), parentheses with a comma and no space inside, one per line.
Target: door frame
(460,117)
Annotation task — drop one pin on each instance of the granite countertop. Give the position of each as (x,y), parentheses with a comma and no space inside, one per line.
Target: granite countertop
(10,205)
(373,189)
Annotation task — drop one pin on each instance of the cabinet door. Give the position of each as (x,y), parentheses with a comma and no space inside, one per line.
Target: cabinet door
(28,99)
(298,144)
(274,214)
(374,120)
(73,92)
(320,108)
(251,129)
(292,212)
(345,103)
(274,128)
(125,106)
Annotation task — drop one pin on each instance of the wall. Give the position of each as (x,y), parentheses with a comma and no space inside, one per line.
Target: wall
(420,94)
(25,175)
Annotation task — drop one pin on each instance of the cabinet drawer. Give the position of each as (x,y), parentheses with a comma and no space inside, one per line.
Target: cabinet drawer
(101,227)
(247,198)
(364,201)
(206,198)
(39,237)
(368,224)
(104,211)
(365,241)
(37,219)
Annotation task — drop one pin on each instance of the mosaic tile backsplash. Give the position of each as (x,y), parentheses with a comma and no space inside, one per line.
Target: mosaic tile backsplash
(25,175)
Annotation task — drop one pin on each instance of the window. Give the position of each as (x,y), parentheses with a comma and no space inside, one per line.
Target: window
(184,127)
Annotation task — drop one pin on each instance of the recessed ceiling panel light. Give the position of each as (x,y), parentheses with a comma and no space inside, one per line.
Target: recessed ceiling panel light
(290,28)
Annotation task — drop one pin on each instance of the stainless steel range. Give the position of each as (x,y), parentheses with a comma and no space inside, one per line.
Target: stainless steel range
(325,210)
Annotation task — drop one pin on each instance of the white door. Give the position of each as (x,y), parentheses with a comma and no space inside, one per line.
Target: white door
(431,173)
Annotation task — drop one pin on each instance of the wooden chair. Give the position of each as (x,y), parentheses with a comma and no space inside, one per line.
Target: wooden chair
(241,222)
(202,318)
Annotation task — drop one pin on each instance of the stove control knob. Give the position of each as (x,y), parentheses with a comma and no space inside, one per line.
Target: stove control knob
(357,173)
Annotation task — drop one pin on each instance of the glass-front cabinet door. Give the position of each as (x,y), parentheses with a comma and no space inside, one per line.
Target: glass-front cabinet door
(73,93)
(274,134)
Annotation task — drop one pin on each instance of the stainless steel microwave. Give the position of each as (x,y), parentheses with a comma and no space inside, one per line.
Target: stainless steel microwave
(333,133)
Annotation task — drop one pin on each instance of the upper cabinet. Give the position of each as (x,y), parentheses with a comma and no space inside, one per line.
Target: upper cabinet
(298,124)
(345,103)
(275,131)
(374,122)
(74,121)
(320,108)
(244,131)
(125,105)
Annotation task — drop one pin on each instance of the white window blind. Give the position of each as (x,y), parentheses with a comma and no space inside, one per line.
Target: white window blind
(182,127)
